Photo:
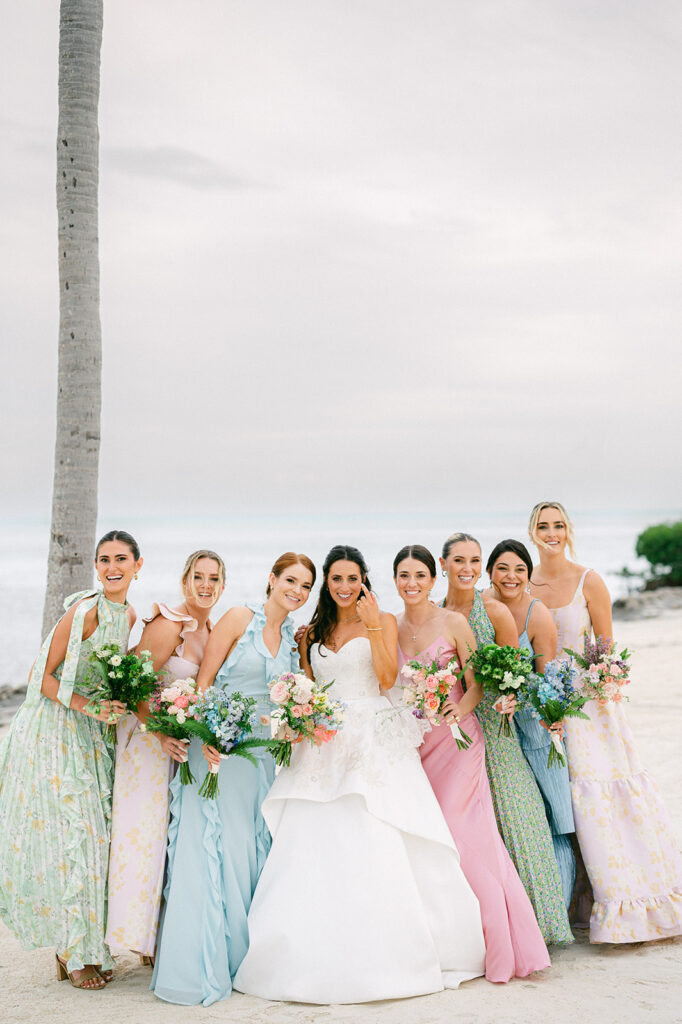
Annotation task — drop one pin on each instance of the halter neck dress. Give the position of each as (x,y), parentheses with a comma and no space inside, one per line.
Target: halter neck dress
(519,807)
(553,782)
(514,943)
(139,826)
(626,838)
(55,802)
(217,848)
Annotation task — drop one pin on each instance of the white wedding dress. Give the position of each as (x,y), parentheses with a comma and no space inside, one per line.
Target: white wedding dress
(362,896)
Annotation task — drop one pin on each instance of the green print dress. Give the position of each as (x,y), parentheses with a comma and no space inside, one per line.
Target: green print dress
(519,807)
(55,804)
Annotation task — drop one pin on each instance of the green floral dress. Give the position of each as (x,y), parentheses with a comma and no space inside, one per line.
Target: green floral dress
(55,804)
(519,807)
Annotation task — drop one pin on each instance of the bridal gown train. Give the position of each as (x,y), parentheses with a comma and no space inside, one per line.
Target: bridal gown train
(362,896)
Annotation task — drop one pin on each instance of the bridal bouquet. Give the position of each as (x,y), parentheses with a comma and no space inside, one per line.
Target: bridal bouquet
(224,721)
(603,670)
(503,672)
(304,711)
(129,678)
(552,698)
(425,691)
(169,710)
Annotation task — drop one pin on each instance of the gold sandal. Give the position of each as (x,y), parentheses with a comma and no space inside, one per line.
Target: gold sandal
(89,974)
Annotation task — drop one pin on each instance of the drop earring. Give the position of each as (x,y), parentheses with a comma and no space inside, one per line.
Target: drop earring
(444,572)
(136,576)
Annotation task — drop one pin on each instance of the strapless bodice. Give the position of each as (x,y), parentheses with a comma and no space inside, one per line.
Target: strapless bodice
(351,668)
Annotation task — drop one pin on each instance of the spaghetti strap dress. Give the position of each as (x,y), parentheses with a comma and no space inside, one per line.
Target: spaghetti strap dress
(625,834)
(139,827)
(217,848)
(514,943)
(553,782)
(519,807)
(56,772)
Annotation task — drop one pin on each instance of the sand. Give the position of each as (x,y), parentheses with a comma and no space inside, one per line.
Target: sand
(633,984)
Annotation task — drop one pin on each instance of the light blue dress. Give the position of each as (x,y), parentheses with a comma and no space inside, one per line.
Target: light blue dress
(553,782)
(217,848)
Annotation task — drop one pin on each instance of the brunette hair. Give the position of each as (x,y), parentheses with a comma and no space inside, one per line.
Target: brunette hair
(457,538)
(519,549)
(187,578)
(125,538)
(325,615)
(418,552)
(533,525)
(285,561)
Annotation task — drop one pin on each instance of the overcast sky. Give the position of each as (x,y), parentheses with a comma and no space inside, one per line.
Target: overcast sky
(360,253)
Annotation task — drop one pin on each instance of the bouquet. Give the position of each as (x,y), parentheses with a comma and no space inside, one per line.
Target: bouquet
(503,672)
(224,721)
(129,678)
(552,698)
(169,710)
(603,671)
(304,711)
(426,689)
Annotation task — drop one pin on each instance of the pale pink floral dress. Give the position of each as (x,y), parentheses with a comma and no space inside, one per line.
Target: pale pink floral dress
(626,838)
(140,816)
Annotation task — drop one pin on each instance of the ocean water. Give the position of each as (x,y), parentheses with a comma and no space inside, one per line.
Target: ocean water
(251,544)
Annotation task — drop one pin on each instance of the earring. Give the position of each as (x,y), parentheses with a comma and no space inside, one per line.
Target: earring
(444,572)
(136,576)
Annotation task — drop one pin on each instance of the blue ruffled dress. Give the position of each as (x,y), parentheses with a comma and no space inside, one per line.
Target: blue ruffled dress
(217,848)
(553,782)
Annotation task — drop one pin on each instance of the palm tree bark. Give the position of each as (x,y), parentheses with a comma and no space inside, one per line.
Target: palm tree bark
(76,464)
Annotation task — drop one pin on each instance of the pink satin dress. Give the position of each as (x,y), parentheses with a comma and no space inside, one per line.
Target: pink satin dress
(514,943)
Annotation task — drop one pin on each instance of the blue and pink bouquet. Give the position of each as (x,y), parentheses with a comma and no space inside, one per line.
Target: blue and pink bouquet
(553,697)
(224,721)
(604,670)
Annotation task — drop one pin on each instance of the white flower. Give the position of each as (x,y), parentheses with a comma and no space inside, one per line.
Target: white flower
(181,716)
(302,692)
(147,669)
(116,660)
(173,710)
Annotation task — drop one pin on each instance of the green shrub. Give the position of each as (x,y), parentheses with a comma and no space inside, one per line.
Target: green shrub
(661,545)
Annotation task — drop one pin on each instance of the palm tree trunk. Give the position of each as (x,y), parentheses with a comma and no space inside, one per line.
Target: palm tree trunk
(76,463)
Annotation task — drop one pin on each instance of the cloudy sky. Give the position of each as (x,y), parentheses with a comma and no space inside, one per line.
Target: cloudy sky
(359,253)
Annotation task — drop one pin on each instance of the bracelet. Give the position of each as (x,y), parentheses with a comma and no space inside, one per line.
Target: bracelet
(374,629)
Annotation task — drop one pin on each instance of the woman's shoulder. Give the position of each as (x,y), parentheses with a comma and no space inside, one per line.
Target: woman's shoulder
(170,618)
(498,612)
(238,616)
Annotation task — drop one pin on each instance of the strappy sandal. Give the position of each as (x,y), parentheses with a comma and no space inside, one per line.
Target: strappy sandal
(107,975)
(146,960)
(89,974)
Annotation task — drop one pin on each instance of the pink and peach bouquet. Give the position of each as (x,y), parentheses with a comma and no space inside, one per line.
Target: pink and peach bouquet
(604,671)
(169,710)
(426,689)
(303,711)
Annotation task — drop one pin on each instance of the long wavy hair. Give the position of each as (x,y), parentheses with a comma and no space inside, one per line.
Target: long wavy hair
(325,615)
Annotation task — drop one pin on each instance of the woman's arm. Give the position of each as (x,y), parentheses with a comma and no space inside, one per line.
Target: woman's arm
(224,637)
(303,651)
(458,632)
(598,604)
(382,630)
(506,634)
(543,635)
(109,709)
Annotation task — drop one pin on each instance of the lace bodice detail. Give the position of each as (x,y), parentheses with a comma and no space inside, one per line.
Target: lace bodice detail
(351,669)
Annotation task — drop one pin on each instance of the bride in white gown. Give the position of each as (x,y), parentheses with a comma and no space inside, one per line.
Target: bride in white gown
(362,896)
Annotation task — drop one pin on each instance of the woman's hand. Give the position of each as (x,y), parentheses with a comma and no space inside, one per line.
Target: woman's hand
(506,705)
(557,728)
(109,711)
(299,634)
(211,755)
(175,749)
(450,711)
(368,610)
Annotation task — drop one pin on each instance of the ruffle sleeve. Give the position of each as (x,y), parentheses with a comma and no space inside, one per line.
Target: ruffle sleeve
(190,625)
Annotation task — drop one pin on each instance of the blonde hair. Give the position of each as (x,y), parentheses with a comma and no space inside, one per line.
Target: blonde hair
(288,559)
(533,525)
(187,578)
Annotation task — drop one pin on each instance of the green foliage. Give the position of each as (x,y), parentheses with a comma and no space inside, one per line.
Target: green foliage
(661,545)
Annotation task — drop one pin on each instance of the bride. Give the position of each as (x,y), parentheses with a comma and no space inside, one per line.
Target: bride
(362,896)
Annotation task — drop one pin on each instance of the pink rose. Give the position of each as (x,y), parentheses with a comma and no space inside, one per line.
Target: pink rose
(297,711)
(432,684)
(181,702)
(279,692)
(432,702)
(307,709)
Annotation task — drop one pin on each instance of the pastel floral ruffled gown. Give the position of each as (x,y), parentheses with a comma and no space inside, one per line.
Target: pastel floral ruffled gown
(139,829)
(626,838)
(55,804)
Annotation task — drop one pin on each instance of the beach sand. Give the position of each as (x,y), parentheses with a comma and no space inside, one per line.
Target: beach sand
(633,984)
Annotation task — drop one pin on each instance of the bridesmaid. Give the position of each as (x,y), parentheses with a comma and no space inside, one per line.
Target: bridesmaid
(517,800)
(633,888)
(217,848)
(514,944)
(176,638)
(509,568)
(55,782)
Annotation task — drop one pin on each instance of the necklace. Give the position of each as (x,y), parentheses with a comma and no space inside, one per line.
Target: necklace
(345,622)
(413,636)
